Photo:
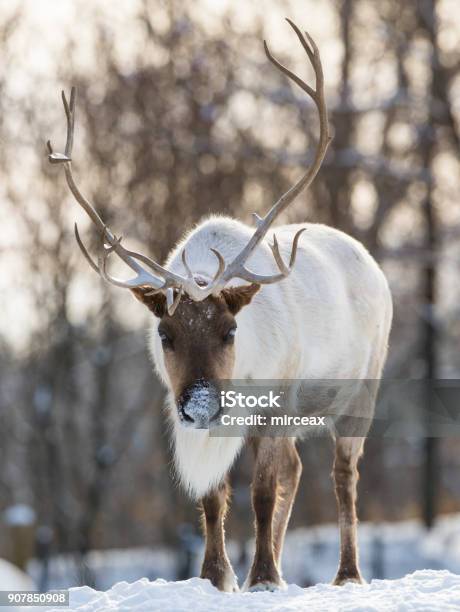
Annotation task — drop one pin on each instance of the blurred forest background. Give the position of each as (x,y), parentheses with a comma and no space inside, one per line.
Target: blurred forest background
(179,115)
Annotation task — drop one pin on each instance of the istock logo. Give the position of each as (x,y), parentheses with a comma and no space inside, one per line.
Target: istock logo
(230,399)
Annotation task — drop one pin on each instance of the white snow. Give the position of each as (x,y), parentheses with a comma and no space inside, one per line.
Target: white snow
(12,578)
(198,405)
(387,550)
(422,590)
(19,515)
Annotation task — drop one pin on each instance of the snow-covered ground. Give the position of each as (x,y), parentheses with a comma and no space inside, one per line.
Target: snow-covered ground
(387,550)
(420,570)
(423,590)
(14,579)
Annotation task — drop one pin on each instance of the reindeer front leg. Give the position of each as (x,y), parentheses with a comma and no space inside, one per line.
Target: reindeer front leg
(264,574)
(345,473)
(216,565)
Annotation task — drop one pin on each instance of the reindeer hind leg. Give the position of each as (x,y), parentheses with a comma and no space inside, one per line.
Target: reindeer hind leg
(345,474)
(289,474)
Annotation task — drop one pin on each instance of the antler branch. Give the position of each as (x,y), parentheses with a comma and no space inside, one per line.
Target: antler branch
(236,268)
(165,278)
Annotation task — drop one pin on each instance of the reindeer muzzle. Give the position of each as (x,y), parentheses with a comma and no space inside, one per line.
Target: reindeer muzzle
(198,405)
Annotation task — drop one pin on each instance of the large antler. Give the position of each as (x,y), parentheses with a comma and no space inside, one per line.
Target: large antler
(166,281)
(237,269)
(163,280)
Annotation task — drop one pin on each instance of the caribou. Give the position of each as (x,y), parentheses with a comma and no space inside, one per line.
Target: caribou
(220,312)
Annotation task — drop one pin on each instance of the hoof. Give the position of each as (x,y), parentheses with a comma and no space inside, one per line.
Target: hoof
(229,584)
(225,582)
(265,585)
(342,579)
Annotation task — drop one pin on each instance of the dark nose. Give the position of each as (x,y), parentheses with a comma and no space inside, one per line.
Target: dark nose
(198,404)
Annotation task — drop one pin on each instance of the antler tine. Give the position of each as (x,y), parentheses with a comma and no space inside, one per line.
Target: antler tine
(157,285)
(277,255)
(70,114)
(171,279)
(295,244)
(173,302)
(143,278)
(66,158)
(262,279)
(310,47)
(311,92)
(217,275)
(59,158)
(285,270)
(186,266)
(221,266)
(84,250)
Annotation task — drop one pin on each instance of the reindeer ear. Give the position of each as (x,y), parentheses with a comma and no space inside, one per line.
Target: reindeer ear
(155,302)
(237,297)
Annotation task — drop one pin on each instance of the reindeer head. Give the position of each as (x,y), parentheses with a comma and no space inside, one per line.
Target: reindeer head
(197,325)
(198,344)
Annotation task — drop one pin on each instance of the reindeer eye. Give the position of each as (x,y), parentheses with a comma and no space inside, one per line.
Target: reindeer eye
(230,335)
(165,339)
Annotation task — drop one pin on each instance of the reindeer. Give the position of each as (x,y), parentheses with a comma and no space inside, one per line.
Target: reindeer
(324,315)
